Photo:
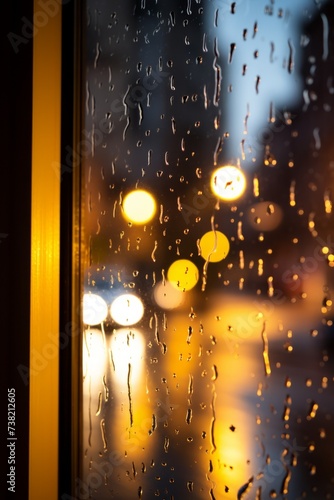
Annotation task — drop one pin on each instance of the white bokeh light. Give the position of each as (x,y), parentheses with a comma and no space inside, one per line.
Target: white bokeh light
(127,309)
(228,182)
(127,350)
(95,309)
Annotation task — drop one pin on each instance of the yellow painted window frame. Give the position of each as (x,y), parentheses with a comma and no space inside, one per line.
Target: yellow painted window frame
(45,239)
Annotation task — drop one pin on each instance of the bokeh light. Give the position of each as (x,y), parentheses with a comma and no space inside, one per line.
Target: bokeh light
(95,358)
(265,216)
(166,296)
(139,206)
(183,274)
(228,182)
(127,309)
(214,246)
(95,309)
(128,348)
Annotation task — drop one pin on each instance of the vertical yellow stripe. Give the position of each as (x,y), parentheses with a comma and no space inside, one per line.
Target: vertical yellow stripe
(44,323)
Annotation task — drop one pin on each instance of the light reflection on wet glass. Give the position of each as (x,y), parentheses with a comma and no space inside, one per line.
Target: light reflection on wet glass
(208,233)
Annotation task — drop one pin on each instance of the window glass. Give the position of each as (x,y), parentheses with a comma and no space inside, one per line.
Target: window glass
(208,249)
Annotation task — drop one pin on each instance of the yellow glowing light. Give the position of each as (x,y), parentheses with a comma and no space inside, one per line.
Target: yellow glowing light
(127,309)
(183,274)
(139,206)
(95,309)
(214,246)
(128,350)
(228,183)
(166,296)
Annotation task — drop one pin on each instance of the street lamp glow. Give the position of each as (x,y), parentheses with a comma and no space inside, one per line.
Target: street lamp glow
(166,296)
(228,183)
(183,274)
(127,309)
(214,246)
(139,206)
(95,309)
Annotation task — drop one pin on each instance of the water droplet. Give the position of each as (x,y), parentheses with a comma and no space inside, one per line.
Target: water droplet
(190,486)
(232,49)
(189,416)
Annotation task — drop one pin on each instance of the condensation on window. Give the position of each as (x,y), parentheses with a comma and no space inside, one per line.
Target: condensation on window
(207,250)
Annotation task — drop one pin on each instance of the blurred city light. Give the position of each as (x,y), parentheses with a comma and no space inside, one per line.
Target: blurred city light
(95,309)
(139,206)
(127,309)
(166,296)
(228,182)
(183,274)
(214,246)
